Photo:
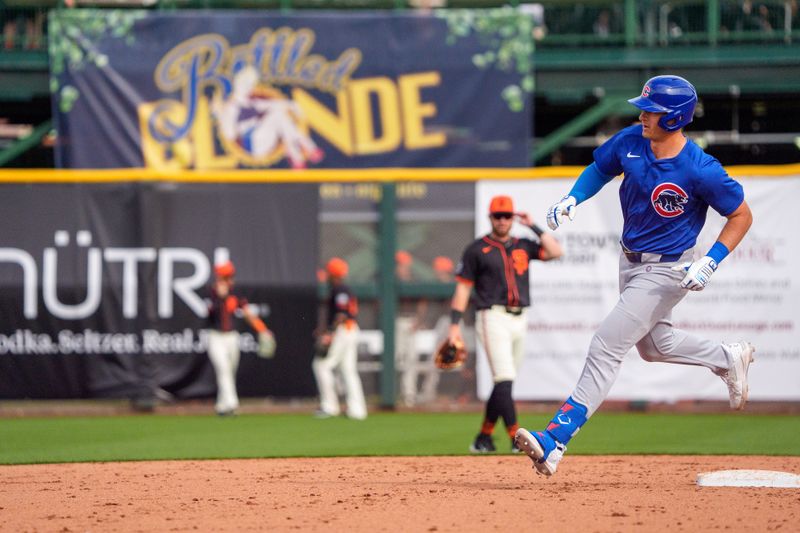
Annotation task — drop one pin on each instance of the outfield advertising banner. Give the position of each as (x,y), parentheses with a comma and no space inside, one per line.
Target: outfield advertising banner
(103,287)
(261,89)
(753,296)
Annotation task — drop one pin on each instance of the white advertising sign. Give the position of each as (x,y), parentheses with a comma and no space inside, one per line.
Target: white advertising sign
(753,296)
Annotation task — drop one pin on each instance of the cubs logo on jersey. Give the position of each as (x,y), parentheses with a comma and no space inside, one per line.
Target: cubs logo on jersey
(669,200)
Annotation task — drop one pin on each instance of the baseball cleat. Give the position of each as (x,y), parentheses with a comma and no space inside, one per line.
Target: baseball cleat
(741,354)
(544,463)
(483,444)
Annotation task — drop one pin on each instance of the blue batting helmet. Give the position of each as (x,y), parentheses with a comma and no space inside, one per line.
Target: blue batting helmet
(671,95)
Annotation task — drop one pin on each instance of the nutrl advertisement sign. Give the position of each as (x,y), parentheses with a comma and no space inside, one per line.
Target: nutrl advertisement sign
(104,288)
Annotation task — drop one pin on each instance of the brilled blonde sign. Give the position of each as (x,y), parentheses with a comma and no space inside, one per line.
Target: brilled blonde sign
(233,90)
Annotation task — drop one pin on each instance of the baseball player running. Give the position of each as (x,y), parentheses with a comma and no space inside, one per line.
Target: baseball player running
(223,339)
(496,265)
(341,338)
(669,184)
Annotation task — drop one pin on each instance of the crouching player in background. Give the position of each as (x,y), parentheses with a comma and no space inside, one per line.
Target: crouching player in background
(338,348)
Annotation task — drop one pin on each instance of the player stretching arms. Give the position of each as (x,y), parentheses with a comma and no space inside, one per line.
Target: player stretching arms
(668,185)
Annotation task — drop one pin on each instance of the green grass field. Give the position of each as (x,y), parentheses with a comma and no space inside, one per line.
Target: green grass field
(125,438)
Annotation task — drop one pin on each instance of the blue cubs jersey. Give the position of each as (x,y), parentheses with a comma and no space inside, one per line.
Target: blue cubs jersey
(665,201)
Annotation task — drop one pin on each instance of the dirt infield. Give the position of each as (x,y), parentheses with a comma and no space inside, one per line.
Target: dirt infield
(611,493)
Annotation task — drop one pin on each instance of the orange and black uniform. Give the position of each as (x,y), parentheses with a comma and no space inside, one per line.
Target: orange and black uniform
(221,310)
(223,348)
(499,271)
(341,301)
(342,355)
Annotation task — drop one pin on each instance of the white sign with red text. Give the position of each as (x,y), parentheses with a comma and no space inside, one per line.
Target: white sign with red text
(754,296)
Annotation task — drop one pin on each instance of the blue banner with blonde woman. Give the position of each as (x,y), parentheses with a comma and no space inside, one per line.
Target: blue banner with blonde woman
(261,89)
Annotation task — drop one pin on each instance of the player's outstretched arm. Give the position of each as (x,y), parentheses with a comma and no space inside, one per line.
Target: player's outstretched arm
(253,320)
(266,340)
(587,185)
(698,273)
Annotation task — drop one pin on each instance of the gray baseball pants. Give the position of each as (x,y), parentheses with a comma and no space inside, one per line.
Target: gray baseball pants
(643,318)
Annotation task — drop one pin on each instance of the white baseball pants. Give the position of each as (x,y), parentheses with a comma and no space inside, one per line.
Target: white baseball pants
(223,351)
(412,364)
(502,335)
(342,355)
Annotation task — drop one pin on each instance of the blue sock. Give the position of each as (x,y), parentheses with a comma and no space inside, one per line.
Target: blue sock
(567,422)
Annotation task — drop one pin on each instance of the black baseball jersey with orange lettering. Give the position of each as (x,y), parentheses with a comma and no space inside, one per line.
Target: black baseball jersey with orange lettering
(341,301)
(221,310)
(499,271)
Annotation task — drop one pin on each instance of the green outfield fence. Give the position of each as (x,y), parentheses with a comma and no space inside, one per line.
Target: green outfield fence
(381,291)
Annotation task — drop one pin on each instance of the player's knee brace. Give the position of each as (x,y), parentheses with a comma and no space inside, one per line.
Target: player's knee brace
(568,421)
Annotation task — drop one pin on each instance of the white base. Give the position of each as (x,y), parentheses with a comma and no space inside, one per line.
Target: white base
(748,478)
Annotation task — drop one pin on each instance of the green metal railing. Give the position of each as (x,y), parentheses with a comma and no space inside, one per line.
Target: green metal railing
(23,27)
(558,23)
(24,144)
(667,22)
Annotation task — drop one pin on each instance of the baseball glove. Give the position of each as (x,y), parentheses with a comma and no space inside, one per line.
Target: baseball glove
(450,355)
(266,345)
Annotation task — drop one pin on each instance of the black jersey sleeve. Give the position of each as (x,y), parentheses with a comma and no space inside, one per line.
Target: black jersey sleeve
(534,249)
(467,269)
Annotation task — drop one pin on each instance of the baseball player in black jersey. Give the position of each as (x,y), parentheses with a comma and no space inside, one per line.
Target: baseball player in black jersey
(223,339)
(341,339)
(496,266)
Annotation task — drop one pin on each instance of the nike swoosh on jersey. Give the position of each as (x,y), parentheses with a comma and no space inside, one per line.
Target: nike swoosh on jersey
(631,155)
